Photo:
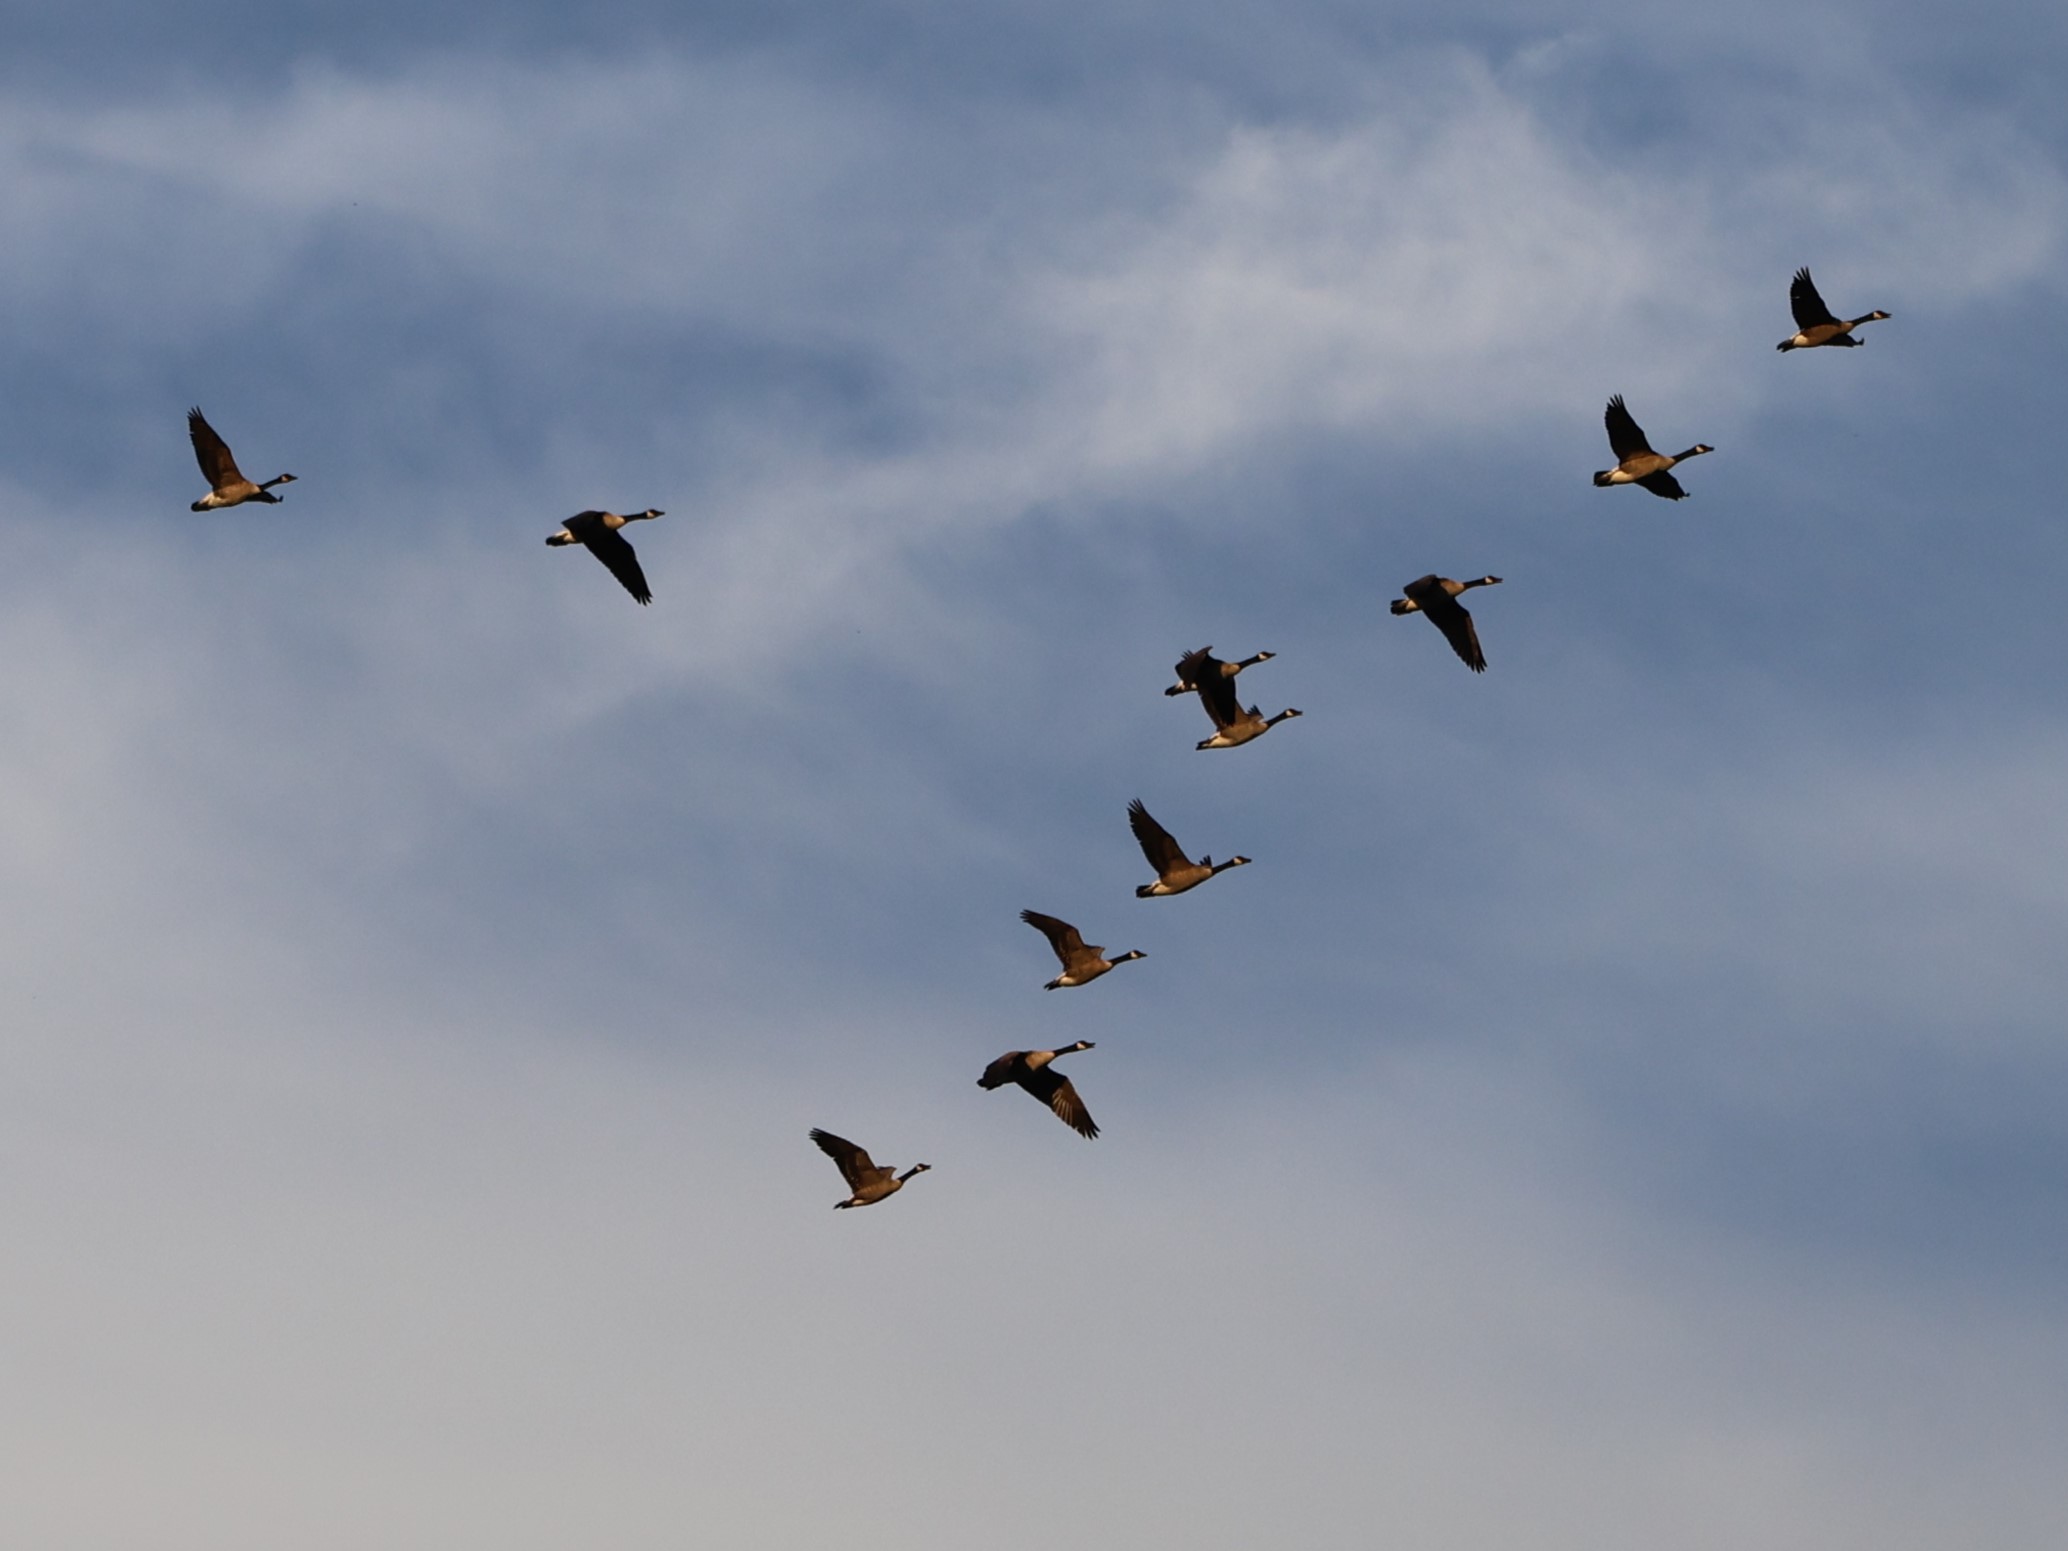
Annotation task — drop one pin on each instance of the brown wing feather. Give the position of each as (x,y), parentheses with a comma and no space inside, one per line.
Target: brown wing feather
(1217,694)
(609,546)
(1163,852)
(855,1165)
(1805,303)
(1663,483)
(1055,1090)
(1061,935)
(1625,438)
(1455,621)
(212,453)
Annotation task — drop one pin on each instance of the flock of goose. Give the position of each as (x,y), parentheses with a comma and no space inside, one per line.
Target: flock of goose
(1199,672)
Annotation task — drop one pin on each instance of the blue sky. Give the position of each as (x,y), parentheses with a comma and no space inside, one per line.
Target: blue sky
(1618,1107)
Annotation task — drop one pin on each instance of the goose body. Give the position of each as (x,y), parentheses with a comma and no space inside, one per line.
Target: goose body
(1636,463)
(1080,962)
(1175,871)
(1031,1070)
(1203,664)
(1815,323)
(227,486)
(598,533)
(868,1182)
(1233,724)
(1436,598)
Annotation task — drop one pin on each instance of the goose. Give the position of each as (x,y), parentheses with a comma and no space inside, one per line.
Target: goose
(1638,464)
(1436,597)
(869,1183)
(1232,724)
(1175,871)
(226,486)
(1031,1070)
(1814,323)
(1080,963)
(598,532)
(1194,666)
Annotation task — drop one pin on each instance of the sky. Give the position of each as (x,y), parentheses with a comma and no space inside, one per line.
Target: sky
(1618,1109)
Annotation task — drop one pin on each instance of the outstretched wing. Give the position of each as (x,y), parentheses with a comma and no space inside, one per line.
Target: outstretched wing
(855,1165)
(1805,303)
(1164,853)
(609,546)
(1054,1089)
(1625,438)
(1663,483)
(212,453)
(1455,621)
(1061,935)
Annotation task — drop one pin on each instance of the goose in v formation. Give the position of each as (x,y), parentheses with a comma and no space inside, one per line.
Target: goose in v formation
(1031,1070)
(1194,667)
(1815,323)
(1080,962)
(1233,724)
(1175,871)
(598,533)
(1636,463)
(868,1182)
(227,486)
(1436,598)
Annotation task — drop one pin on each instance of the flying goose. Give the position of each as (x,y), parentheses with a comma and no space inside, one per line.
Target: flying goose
(1637,464)
(1814,323)
(1175,871)
(598,532)
(1232,724)
(1436,597)
(1194,666)
(1080,963)
(869,1183)
(226,486)
(1030,1069)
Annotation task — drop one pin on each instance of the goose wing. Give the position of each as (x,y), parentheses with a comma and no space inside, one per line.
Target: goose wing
(1194,667)
(1054,1089)
(609,546)
(1061,935)
(1163,852)
(1803,300)
(212,453)
(1661,483)
(1217,694)
(856,1167)
(1455,621)
(1625,438)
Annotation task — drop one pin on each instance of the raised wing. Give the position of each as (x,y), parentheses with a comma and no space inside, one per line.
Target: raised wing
(1194,667)
(1061,935)
(212,453)
(855,1165)
(1625,439)
(1163,852)
(1805,303)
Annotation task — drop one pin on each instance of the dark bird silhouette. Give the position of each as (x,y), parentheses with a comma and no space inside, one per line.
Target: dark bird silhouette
(226,486)
(1638,464)
(1194,666)
(1436,597)
(1031,1070)
(598,533)
(1814,323)
(1175,871)
(1080,963)
(869,1183)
